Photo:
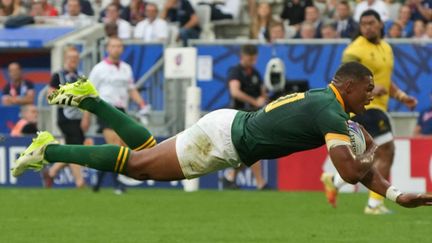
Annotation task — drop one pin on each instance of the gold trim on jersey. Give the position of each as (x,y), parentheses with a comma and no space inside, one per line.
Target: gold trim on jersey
(337,136)
(336,139)
(338,96)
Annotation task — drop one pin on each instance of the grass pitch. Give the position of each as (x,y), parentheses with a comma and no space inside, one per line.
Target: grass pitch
(150,215)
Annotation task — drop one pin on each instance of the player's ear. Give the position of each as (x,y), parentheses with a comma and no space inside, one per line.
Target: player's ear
(349,86)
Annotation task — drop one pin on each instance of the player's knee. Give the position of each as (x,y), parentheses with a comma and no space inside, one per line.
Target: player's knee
(386,152)
(137,167)
(351,178)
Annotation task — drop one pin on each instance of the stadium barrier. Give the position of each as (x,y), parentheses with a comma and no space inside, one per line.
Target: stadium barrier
(11,147)
(411,171)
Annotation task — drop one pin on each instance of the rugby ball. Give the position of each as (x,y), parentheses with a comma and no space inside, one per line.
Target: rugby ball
(357,138)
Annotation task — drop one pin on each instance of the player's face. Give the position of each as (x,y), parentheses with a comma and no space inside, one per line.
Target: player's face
(72,60)
(361,94)
(248,60)
(115,48)
(370,28)
(14,72)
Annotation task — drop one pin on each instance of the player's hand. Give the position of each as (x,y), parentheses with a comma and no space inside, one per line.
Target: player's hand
(411,200)
(379,90)
(260,101)
(368,138)
(410,101)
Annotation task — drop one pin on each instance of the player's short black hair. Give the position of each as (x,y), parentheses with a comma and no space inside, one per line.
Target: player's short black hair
(371,12)
(352,71)
(248,49)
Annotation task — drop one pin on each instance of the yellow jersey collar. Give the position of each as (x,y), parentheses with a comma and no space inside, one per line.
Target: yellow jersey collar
(338,96)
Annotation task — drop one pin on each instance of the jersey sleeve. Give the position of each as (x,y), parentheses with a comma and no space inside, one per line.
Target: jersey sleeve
(131,80)
(93,77)
(138,31)
(333,127)
(29,84)
(351,54)
(233,74)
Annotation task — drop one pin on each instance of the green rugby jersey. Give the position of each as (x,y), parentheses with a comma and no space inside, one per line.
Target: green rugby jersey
(292,123)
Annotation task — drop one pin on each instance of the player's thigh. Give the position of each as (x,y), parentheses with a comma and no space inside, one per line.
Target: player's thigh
(378,125)
(158,163)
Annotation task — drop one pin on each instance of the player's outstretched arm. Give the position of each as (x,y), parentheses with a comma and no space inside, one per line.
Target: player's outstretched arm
(375,182)
(350,167)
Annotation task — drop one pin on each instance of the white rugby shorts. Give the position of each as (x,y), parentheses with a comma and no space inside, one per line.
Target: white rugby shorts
(207,145)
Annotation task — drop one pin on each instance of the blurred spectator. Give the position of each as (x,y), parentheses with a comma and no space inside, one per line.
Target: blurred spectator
(420,9)
(404,20)
(395,31)
(345,24)
(27,125)
(135,12)
(11,8)
(424,121)
(39,14)
(261,22)
(181,11)
(276,32)
(120,8)
(307,31)
(419,30)
(68,118)
(312,16)
(328,31)
(227,9)
(326,8)
(74,17)
(124,29)
(152,28)
(37,10)
(111,30)
(42,8)
(294,11)
(378,5)
(393,7)
(18,91)
(86,7)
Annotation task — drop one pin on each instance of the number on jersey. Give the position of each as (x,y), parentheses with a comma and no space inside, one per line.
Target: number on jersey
(284,100)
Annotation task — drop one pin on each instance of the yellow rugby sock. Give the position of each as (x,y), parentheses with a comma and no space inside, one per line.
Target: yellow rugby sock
(375,199)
